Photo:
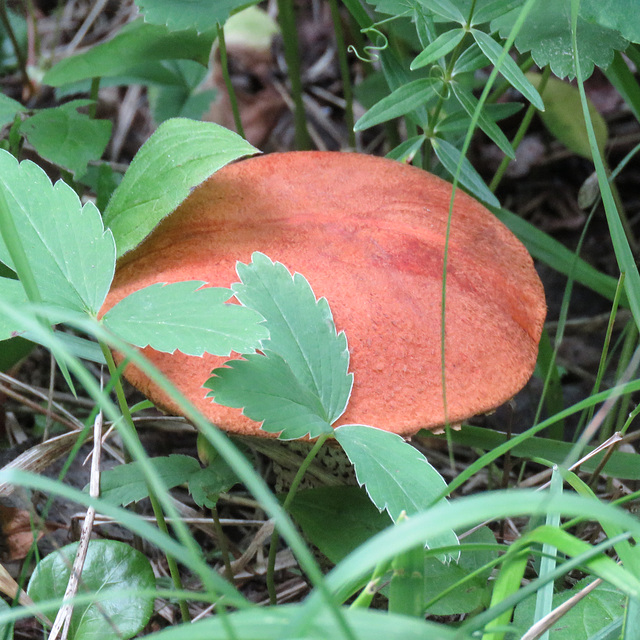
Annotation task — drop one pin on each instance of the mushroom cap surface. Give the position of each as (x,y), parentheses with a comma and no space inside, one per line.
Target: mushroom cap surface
(368,234)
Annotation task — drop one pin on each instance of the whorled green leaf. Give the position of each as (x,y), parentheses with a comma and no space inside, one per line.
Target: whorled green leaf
(109,565)
(508,68)
(8,109)
(268,391)
(547,34)
(444,9)
(487,10)
(301,330)
(186,317)
(177,157)
(445,43)
(406,150)
(469,104)
(469,178)
(563,116)
(135,44)
(67,138)
(396,475)
(189,14)
(400,102)
(71,255)
(127,483)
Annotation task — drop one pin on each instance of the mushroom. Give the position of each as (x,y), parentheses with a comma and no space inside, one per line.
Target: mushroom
(368,233)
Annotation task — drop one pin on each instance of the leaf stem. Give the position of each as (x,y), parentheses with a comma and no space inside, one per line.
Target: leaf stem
(306,463)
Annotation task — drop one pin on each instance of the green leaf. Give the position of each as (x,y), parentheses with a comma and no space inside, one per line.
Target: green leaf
(109,565)
(11,292)
(189,14)
(67,138)
(469,590)
(491,9)
(127,483)
(584,619)
(443,8)
(563,116)
(206,484)
(399,102)
(71,256)
(177,157)
(618,15)
(469,178)
(406,150)
(268,391)
(188,317)
(138,43)
(445,43)
(508,68)
(275,623)
(547,34)
(338,519)
(469,104)
(301,330)
(396,475)
(8,109)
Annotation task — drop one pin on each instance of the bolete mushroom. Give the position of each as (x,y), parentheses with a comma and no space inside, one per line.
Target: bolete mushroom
(369,235)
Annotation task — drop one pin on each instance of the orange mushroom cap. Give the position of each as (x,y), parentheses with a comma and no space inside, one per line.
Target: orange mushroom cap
(369,235)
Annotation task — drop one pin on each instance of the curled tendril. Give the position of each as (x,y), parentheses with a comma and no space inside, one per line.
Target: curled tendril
(371,50)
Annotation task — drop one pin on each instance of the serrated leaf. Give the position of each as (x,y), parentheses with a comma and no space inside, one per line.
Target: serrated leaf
(135,44)
(8,109)
(490,9)
(71,256)
(399,102)
(301,330)
(618,15)
(547,34)
(441,46)
(508,68)
(13,294)
(469,104)
(177,157)
(126,483)
(564,118)
(394,7)
(396,475)
(109,565)
(469,178)
(67,138)
(190,14)
(268,391)
(187,317)
(206,484)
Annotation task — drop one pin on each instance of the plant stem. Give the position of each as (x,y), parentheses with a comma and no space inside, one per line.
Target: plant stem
(271,565)
(22,63)
(522,130)
(224,63)
(287,20)
(347,89)
(224,547)
(155,503)
(93,95)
